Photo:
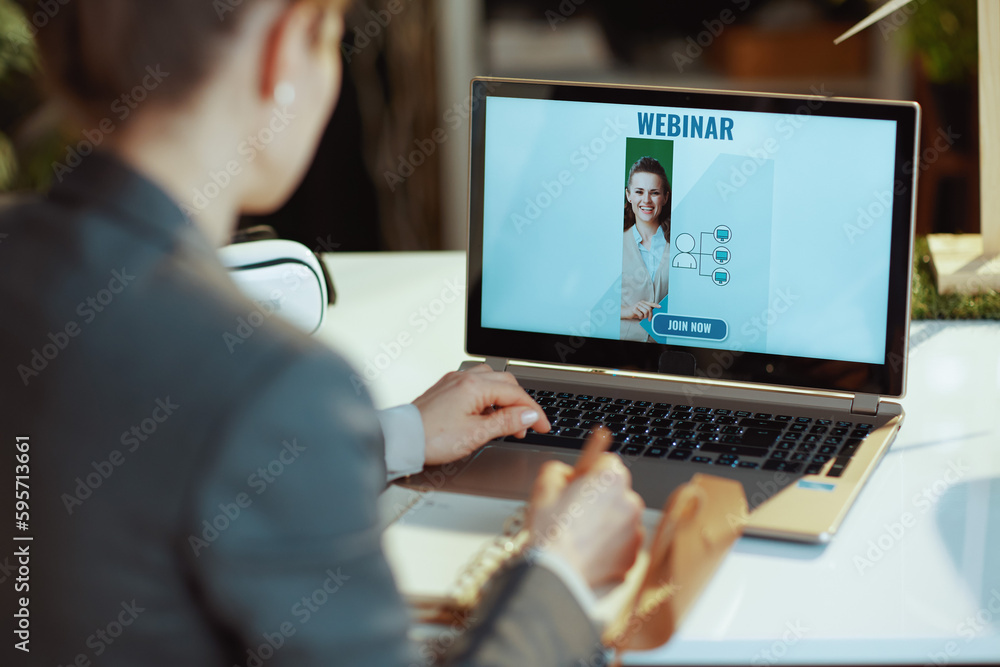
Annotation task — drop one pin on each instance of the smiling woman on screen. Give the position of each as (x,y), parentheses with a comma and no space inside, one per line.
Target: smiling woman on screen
(646,246)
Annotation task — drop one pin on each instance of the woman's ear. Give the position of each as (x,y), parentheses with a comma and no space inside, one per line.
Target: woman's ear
(288,46)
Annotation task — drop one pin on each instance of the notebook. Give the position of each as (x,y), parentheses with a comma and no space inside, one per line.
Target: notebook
(444,548)
(720,278)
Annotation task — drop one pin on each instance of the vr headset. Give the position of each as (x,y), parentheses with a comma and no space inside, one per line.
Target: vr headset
(283,276)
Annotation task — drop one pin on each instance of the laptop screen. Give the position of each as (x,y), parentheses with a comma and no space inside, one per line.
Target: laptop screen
(765,237)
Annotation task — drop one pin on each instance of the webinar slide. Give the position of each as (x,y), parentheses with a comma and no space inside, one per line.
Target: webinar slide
(733,230)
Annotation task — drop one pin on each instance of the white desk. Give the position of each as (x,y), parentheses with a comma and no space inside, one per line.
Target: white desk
(870,596)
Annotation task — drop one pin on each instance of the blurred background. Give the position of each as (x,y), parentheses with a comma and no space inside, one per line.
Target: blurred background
(392,168)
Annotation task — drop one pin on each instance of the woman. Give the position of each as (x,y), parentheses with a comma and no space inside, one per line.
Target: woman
(206,506)
(646,246)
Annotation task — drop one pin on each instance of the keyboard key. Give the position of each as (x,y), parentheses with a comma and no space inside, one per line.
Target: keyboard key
(731,430)
(529,392)
(661,406)
(563,394)
(735,450)
(726,420)
(827,449)
(544,401)
(840,430)
(839,465)
(761,423)
(762,415)
(818,429)
(803,420)
(593,414)
(683,408)
(590,405)
(638,420)
(703,418)
(727,460)
(812,438)
(814,468)
(567,422)
(833,440)
(679,455)
(572,433)
(656,452)
(571,413)
(859,433)
(707,428)
(551,440)
(760,437)
(659,431)
(632,450)
(614,419)
(640,440)
(684,435)
(779,455)
(642,404)
(584,397)
(782,418)
(703,410)
(663,423)
(821,458)
(792,437)
(785,446)
(723,412)
(544,393)
(845,425)
(799,457)
(797,428)
(602,399)
(850,447)
(636,429)
(623,401)
(683,444)
(700,459)
(634,411)
(742,413)
(782,466)
(685,425)
(824,422)
(748,464)
(865,427)
(658,414)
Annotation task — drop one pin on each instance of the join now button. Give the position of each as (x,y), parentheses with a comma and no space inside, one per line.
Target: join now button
(665,324)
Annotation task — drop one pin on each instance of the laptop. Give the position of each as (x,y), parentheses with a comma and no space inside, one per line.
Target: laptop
(722,279)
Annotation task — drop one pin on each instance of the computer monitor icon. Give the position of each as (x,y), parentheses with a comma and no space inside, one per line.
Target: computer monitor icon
(721,276)
(721,255)
(722,234)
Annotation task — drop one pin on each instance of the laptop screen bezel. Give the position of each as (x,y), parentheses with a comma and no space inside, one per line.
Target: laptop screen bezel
(886,379)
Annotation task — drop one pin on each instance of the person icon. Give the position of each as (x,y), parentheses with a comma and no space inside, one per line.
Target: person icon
(684,259)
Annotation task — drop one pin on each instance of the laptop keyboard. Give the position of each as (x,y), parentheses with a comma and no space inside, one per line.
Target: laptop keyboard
(701,434)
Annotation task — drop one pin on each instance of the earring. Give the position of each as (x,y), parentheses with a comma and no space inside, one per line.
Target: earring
(284,94)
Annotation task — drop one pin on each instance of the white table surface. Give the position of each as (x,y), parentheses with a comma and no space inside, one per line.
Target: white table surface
(927,592)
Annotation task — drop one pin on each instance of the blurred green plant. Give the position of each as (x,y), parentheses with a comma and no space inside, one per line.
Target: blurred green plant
(927,304)
(945,36)
(18,62)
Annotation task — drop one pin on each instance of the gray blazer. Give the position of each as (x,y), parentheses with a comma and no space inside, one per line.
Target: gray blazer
(636,284)
(195,501)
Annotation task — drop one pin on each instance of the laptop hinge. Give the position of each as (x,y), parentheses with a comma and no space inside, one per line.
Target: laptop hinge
(865,404)
(496,363)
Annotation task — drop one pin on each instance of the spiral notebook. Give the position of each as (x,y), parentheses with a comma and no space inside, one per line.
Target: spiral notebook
(444,547)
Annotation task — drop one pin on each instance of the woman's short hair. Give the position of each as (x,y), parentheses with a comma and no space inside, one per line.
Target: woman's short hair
(649,165)
(97,51)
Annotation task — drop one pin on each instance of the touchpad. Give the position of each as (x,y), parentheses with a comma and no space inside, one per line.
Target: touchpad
(500,472)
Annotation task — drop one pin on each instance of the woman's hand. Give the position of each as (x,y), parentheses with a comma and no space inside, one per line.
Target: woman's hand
(591,520)
(467,409)
(640,310)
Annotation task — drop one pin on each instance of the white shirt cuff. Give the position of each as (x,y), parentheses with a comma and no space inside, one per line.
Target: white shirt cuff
(403,430)
(570,577)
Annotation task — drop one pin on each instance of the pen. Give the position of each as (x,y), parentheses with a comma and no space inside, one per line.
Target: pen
(592,450)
